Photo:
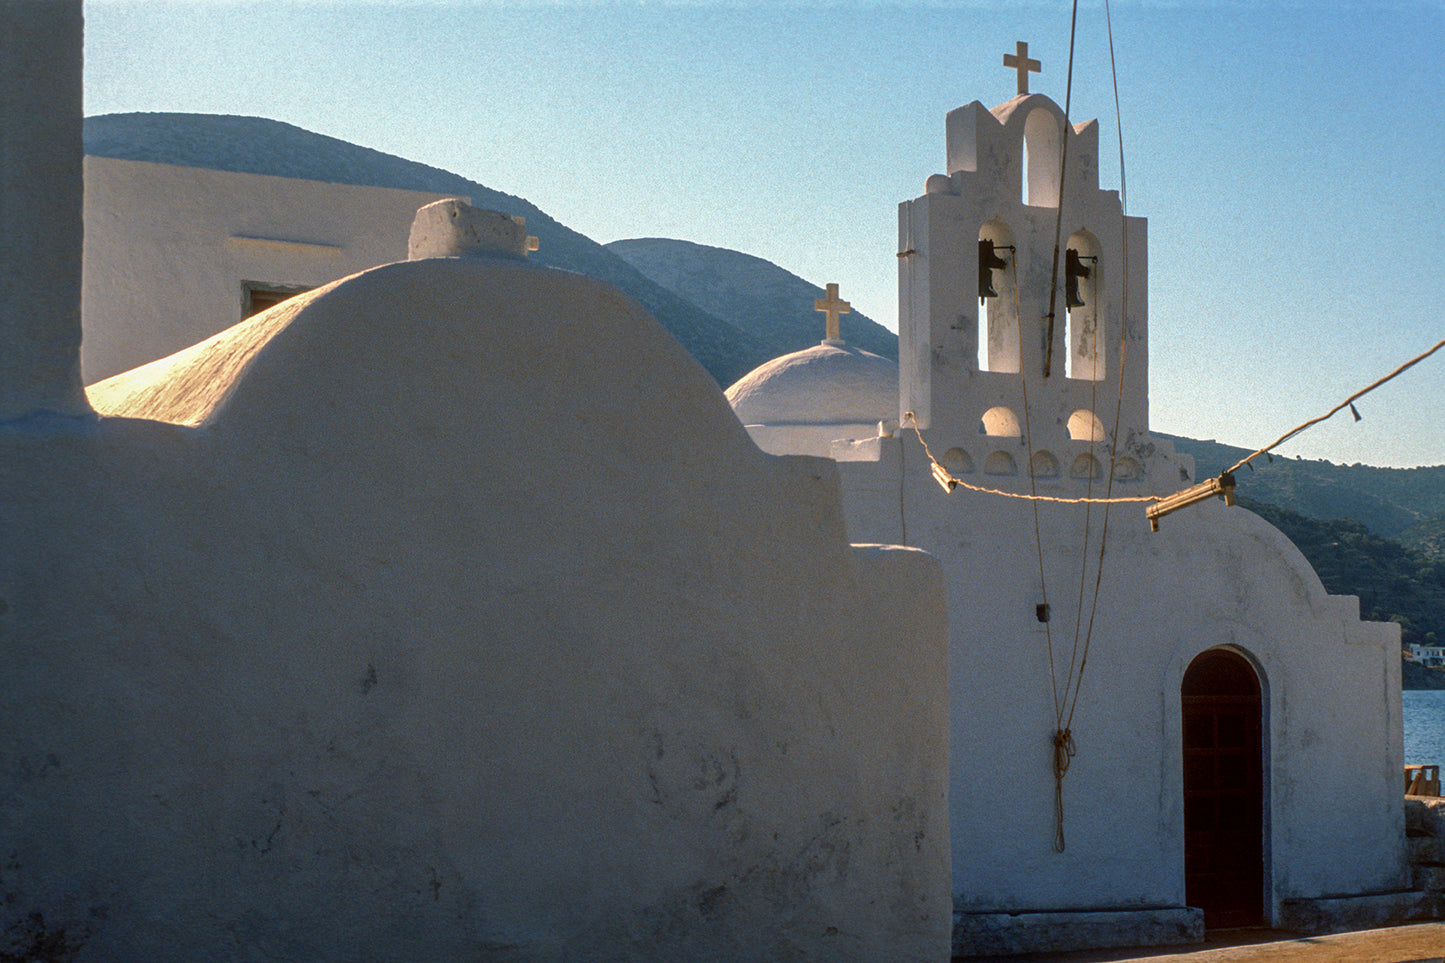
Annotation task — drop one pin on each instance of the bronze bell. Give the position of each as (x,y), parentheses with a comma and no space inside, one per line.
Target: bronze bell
(1073,270)
(988,262)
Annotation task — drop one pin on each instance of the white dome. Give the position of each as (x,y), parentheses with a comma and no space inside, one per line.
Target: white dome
(828,384)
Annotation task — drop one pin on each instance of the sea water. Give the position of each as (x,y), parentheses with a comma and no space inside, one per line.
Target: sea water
(1424,726)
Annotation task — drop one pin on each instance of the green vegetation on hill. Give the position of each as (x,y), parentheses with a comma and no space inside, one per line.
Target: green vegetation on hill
(1417,676)
(1427,536)
(1394,583)
(1406,504)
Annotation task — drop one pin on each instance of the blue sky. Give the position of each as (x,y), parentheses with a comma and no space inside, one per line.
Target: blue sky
(1290,156)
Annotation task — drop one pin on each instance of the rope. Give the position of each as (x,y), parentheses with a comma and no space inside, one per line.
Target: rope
(1064,748)
(1064,752)
(1063,169)
(1118,416)
(1103,535)
(1032,497)
(1348,402)
(1034,500)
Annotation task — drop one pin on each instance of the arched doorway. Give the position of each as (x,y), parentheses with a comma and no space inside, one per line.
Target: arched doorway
(1223,790)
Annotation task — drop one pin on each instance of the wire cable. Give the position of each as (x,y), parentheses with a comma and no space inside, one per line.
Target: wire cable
(1063,170)
(1337,408)
(1123,358)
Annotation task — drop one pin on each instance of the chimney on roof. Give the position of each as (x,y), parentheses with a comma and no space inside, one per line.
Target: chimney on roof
(454,228)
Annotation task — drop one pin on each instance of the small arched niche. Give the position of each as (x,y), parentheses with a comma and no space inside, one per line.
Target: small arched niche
(1084,425)
(1000,422)
(1044,465)
(1040,156)
(1127,470)
(957,461)
(1000,463)
(1086,468)
(998,313)
(1083,270)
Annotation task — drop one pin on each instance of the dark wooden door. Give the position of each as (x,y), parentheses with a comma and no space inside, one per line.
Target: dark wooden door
(1223,790)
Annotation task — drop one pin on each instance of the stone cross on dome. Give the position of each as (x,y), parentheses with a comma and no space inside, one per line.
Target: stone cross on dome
(1020,61)
(832,306)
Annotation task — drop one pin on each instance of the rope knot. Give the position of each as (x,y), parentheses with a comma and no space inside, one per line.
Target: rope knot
(1064,752)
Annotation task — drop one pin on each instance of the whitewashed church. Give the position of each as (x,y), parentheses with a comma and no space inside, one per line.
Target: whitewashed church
(1229,733)
(386,624)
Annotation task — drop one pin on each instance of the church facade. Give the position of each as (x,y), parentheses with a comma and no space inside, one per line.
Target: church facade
(1151,731)
(323,643)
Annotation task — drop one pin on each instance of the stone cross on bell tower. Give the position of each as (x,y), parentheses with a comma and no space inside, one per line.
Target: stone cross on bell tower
(1020,61)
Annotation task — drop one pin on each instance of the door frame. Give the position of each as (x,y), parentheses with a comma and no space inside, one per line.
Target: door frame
(1266,908)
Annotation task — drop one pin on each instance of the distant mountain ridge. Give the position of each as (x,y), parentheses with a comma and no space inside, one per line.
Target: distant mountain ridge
(772,304)
(1404,504)
(731,310)
(255,145)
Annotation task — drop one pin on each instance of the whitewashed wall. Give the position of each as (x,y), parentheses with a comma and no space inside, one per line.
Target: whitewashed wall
(1212,576)
(388,625)
(167,249)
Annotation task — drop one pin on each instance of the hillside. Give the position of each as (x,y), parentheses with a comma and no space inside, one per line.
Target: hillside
(254,145)
(1406,504)
(1427,536)
(771,304)
(1392,582)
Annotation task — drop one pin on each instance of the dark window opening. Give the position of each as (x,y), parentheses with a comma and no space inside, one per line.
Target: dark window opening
(257,297)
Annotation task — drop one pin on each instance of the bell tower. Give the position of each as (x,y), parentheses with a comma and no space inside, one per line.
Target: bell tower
(1023,298)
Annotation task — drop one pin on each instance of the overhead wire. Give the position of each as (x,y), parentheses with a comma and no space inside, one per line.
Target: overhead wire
(1064,746)
(1059,217)
(1065,702)
(1119,397)
(1034,501)
(1347,403)
(1066,705)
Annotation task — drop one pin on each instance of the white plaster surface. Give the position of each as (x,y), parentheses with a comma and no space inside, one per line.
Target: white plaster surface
(1213,576)
(810,398)
(387,625)
(40,223)
(167,249)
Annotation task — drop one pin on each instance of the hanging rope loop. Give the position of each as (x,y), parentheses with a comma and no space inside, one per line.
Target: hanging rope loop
(1064,752)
